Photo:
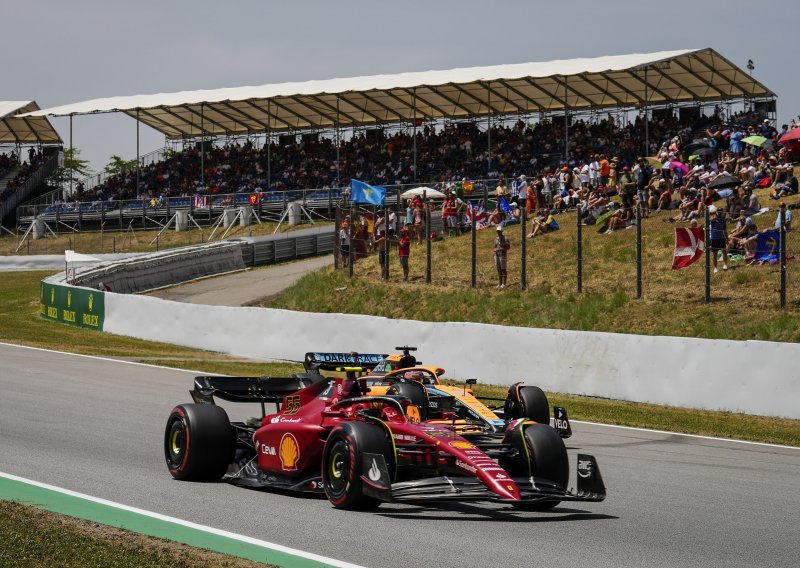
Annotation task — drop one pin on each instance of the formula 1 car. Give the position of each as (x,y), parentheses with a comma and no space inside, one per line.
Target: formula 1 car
(329,436)
(401,374)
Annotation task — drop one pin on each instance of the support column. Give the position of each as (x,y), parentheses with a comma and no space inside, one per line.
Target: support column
(138,159)
(489,130)
(646,117)
(202,149)
(338,183)
(72,158)
(566,121)
(414,109)
(269,145)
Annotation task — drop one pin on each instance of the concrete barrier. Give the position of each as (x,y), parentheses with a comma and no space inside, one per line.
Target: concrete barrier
(149,271)
(754,377)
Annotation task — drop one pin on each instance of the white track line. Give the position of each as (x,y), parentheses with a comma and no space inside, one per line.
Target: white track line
(687,435)
(189,524)
(113,360)
(575,421)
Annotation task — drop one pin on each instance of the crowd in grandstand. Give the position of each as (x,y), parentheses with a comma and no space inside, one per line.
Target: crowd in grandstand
(24,170)
(443,153)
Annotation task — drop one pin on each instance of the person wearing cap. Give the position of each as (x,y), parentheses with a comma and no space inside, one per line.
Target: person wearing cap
(718,237)
(501,247)
(404,251)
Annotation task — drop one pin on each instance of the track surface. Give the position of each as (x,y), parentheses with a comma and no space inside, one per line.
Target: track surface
(244,288)
(96,427)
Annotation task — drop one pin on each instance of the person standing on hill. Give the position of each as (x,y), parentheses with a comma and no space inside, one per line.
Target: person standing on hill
(404,250)
(501,246)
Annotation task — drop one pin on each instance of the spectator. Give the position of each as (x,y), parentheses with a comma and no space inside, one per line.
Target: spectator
(501,247)
(344,242)
(718,237)
(404,251)
(787,218)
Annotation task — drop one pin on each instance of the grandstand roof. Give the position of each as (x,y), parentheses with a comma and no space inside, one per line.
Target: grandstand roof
(16,130)
(599,82)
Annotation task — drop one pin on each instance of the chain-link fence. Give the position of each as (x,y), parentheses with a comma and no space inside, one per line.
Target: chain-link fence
(633,261)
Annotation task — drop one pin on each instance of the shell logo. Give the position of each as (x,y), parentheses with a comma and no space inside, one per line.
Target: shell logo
(462,445)
(289,452)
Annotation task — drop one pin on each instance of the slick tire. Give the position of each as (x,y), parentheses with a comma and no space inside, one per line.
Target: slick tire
(342,463)
(534,404)
(542,454)
(198,442)
(548,460)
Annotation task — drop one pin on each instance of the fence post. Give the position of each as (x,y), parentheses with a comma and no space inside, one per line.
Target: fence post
(783,255)
(523,247)
(114,245)
(579,253)
(474,250)
(639,250)
(428,241)
(708,255)
(336,250)
(350,224)
(385,241)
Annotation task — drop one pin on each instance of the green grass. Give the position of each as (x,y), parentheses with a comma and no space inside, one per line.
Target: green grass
(34,538)
(745,298)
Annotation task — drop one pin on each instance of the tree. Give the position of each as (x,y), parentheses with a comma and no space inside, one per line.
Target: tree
(118,166)
(73,170)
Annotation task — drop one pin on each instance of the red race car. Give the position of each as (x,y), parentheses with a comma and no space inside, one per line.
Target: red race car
(329,435)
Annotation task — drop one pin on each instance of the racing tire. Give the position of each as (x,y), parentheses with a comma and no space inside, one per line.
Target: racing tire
(414,392)
(547,457)
(198,442)
(532,404)
(342,463)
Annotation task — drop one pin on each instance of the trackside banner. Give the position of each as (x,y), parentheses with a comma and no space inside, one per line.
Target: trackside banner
(80,307)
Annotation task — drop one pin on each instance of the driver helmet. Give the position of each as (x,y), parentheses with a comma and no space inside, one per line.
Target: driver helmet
(414,376)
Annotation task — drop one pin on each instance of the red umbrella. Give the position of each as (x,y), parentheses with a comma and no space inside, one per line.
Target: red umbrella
(679,166)
(793,134)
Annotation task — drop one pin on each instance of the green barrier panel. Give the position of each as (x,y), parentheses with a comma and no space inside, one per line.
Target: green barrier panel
(80,307)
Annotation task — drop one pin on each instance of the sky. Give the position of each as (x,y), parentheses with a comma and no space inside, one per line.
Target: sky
(60,52)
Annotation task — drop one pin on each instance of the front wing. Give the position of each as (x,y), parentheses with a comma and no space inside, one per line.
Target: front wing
(451,488)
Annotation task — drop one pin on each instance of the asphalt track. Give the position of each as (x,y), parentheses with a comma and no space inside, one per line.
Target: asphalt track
(95,426)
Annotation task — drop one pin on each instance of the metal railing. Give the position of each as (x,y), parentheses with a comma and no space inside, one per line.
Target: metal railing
(154,213)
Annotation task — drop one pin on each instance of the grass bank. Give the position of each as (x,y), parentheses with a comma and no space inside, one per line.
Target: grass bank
(35,538)
(745,298)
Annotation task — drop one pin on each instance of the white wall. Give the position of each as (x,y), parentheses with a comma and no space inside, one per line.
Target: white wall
(744,376)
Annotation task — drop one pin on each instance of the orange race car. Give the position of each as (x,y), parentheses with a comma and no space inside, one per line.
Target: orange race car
(400,374)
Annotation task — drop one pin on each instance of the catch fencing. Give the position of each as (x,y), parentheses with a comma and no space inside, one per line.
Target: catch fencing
(635,260)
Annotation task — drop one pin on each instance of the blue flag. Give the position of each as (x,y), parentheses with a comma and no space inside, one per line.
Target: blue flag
(504,206)
(365,193)
(768,246)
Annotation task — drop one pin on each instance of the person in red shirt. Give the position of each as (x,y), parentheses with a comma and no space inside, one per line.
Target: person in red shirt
(404,250)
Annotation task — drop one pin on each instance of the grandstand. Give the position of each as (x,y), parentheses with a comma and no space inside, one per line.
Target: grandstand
(19,178)
(339,121)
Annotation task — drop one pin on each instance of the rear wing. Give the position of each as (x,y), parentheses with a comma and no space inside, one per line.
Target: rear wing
(246,389)
(315,361)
